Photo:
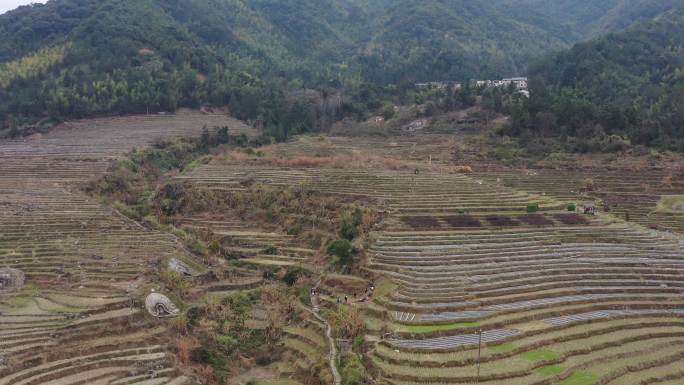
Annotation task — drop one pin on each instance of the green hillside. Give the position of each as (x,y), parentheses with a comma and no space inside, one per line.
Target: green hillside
(584,19)
(626,86)
(446,40)
(75,58)
(118,56)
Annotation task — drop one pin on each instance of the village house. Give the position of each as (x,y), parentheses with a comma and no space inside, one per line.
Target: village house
(520,82)
(432,85)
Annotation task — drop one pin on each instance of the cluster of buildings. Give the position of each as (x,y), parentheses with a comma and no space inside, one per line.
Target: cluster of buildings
(520,84)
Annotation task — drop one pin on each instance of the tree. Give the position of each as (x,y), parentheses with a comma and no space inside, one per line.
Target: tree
(387,111)
(222,136)
(342,249)
(292,275)
(349,225)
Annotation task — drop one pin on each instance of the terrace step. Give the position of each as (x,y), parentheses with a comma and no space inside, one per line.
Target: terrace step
(66,366)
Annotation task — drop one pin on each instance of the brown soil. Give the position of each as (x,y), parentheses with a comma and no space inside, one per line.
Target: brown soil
(535,220)
(421,221)
(501,221)
(462,221)
(571,219)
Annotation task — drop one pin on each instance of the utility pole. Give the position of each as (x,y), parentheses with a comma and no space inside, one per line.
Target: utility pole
(479,351)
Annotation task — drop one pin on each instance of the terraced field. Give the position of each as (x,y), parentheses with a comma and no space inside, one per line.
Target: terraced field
(76,321)
(557,297)
(257,246)
(425,147)
(554,297)
(640,196)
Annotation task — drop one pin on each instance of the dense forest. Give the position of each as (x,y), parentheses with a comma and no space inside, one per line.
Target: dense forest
(585,19)
(298,65)
(621,89)
(77,58)
(450,40)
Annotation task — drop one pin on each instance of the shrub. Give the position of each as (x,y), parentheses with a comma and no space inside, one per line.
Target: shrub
(348,229)
(572,207)
(222,135)
(268,274)
(270,250)
(533,208)
(352,370)
(346,322)
(184,347)
(315,238)
(304,294)
(342,249)
(227,344)
(349,225)
(357,345)
(175,282)
(387,111)
(292,275)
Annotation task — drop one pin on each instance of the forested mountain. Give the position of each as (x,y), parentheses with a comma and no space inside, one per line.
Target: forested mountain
(447,40)
(73,58)
(627,85)
(584,19)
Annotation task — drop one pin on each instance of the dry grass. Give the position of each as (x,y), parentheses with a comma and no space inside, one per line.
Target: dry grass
(671,204)
(185,347)
(357,160)
(346,321)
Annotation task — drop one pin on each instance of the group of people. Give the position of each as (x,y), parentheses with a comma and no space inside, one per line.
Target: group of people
(367,293)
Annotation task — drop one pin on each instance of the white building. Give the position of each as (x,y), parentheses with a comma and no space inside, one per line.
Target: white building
(520,83)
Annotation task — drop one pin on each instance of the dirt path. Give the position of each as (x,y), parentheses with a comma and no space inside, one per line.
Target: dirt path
(328,334)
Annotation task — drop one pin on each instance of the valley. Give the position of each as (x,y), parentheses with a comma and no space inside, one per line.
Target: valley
(342,192)
(457,258)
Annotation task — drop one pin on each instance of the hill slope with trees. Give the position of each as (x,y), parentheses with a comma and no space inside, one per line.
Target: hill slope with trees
(585,19)
(623,87)
(76,58)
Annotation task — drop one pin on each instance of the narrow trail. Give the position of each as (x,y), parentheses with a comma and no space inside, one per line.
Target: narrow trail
(328,334)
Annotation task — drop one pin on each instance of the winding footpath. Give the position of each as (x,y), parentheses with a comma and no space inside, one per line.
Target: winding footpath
(328,334)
